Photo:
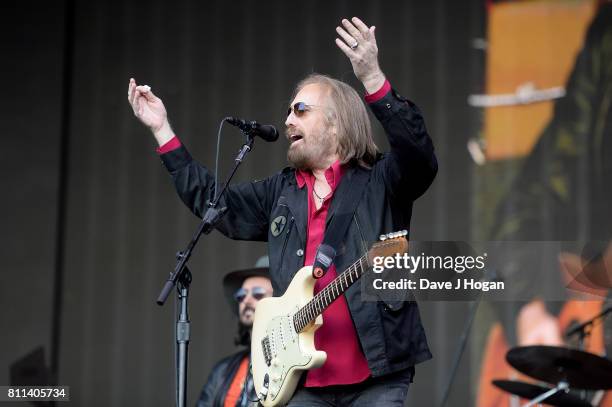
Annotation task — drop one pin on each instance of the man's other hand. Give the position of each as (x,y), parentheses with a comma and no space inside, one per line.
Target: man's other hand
(150,110)
(358,42)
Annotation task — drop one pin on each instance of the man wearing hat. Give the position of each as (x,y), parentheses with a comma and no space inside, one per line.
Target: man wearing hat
(230,383)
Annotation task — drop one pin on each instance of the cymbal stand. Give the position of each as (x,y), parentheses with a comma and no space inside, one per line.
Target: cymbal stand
(562,386)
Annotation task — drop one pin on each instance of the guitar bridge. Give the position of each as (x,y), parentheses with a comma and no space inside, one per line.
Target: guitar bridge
(265,346)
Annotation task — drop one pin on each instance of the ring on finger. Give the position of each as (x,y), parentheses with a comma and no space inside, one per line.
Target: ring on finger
(355,45)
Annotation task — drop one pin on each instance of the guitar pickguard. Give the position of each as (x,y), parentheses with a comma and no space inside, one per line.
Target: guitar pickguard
(284,350)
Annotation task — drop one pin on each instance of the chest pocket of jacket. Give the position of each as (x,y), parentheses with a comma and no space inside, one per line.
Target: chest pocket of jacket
(282,225)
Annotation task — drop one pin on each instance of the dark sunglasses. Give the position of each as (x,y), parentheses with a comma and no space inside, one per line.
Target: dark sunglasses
(299,109)
(256,292)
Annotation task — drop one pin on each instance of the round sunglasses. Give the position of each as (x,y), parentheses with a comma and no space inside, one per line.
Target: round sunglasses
(256,292)
(299,109)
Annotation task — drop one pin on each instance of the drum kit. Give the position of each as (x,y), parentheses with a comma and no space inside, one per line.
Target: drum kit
(564,368)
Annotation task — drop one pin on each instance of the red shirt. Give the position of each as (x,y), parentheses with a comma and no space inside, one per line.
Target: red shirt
(346,363)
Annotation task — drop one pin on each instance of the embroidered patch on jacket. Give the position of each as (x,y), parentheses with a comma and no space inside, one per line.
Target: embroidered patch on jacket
(278,225)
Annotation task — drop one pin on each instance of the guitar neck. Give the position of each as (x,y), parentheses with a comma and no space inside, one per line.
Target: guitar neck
(329,294)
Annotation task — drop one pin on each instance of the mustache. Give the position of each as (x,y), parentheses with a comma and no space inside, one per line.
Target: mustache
(291,130)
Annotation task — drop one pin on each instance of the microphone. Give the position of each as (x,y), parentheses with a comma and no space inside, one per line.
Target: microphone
(254,129)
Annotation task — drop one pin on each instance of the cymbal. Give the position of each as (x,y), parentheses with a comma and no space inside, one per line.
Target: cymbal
(530,391)
(553,364)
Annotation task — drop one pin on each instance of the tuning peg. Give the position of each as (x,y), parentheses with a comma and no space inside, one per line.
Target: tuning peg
(382,238)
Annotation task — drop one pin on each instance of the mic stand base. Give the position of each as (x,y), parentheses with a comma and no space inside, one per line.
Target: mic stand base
(562,386)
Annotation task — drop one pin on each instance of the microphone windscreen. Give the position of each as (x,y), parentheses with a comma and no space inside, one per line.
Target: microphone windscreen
(268,132)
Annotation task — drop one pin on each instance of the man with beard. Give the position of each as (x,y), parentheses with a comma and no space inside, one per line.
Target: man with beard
(229,382)
(371,346)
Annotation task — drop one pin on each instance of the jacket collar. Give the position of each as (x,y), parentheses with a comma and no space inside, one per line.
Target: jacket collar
(296,198)
(341,191)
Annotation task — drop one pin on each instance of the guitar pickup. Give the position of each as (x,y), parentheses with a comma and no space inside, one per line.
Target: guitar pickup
(265,346)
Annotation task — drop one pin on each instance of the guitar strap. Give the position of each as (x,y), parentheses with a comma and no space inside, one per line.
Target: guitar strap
(339,225)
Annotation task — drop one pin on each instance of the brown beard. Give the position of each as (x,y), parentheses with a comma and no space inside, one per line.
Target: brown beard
(308,156)
(299,159)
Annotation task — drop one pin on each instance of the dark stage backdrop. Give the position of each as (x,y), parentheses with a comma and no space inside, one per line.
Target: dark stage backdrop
(90,219)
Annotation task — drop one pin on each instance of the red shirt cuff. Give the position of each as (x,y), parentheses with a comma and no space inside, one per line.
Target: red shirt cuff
(376,96)
(170,145)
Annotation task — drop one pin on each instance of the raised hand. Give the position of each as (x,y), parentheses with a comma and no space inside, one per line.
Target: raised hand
(150,110)
(358,42)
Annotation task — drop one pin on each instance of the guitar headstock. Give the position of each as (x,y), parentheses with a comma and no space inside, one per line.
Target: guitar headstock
(389,244)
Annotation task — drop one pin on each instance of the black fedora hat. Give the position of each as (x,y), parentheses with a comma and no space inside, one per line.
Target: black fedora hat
(234,279)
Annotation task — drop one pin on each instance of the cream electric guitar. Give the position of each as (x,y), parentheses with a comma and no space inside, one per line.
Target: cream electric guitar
(282,341)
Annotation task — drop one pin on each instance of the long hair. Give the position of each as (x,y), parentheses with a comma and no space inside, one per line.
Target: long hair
(347,111)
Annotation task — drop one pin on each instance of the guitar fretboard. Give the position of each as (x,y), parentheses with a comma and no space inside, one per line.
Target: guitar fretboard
(327,295)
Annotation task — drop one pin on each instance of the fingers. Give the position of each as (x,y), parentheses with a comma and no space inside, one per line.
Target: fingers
(143,88)
(131,91)
(136,102)
(356,32)
(135,92)
(142,96)
(352,30)
(141,106)
(345,48)
(146,92)
(363,29)
(348,39)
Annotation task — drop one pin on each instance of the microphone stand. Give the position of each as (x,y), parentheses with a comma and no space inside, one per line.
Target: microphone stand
(182,276)
(583,330)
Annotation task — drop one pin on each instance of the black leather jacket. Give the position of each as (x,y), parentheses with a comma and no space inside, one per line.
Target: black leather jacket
(390,332)
(220,378)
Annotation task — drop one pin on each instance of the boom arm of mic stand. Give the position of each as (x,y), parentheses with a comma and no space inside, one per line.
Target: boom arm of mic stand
(210,219)
(581,329)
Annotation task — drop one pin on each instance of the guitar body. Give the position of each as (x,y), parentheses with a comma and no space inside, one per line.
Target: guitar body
(278,353)
(282,340)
